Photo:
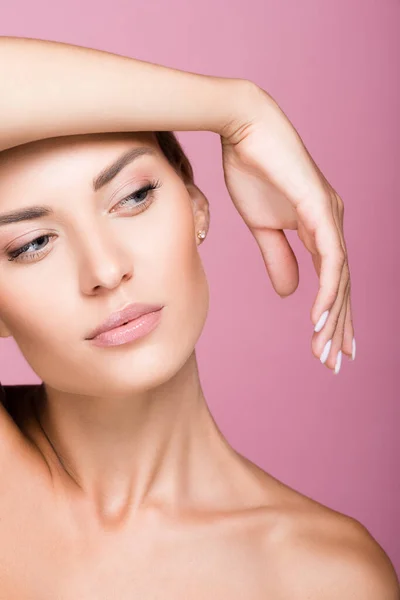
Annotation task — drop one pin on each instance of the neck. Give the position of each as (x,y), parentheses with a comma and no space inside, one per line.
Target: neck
(161,447)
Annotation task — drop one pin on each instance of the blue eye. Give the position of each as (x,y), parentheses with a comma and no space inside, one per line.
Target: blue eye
(23,250)
(153,185)
(141,203)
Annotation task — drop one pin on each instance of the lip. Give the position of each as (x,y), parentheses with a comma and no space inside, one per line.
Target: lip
(129,313)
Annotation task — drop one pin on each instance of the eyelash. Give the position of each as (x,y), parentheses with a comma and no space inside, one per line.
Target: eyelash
(149,187)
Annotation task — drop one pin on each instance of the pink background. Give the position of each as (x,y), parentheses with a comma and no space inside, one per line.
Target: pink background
(334,69)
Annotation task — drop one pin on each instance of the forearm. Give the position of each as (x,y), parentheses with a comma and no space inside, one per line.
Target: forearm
(51,89)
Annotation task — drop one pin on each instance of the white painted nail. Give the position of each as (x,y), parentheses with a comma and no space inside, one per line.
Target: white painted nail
(353,354)
(338,362)
(325,351)
(321,321)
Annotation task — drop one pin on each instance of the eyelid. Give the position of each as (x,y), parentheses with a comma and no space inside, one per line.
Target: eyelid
(139,180)
(29,237)
(150,186)
(153,183)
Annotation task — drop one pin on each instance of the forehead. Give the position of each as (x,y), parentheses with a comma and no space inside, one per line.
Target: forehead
(68,157)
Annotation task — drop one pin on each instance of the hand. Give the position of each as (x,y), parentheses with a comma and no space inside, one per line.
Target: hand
(275,184)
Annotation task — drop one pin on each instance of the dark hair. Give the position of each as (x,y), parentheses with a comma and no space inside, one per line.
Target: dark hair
(175,155)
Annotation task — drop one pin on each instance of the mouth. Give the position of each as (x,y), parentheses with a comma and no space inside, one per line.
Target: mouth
(129,332)
(123,317)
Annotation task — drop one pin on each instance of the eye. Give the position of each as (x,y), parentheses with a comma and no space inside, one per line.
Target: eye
(22,254)
(142,202)
(14,254)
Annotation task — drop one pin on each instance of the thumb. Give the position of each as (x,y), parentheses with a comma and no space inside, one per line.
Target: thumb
(279,259)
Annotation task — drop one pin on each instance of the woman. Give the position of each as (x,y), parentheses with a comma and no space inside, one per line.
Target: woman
(116,481)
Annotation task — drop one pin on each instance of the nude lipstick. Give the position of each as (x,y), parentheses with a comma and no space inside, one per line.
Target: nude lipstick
(131,323)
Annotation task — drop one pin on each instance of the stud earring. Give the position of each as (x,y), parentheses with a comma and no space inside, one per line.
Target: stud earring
(201,234)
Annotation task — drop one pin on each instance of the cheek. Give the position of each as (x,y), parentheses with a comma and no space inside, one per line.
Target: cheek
(186,284)
(176,256)
(34,310)
(36,329)
(24,313)
(48,333)
(176,276)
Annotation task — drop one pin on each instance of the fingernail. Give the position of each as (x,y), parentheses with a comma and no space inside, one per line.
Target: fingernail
(338,362)
(353,354)
(325,351)
(321,321)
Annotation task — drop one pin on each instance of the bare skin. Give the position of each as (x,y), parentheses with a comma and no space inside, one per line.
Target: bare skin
(117,483)
(234,532)
(121,484)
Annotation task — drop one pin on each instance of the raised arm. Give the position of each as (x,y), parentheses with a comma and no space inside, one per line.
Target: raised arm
(51,89)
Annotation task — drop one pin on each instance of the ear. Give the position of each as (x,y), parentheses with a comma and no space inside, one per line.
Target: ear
(201,209)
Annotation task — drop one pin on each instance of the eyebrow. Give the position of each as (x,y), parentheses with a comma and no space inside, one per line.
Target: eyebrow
(104,177)
(112,170)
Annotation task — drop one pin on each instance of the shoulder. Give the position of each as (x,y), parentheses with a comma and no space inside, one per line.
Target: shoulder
(348,564)
(325,555)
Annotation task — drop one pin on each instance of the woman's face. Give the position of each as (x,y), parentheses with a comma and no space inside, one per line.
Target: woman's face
(94,255)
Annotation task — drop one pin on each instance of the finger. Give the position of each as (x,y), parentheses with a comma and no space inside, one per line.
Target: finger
(338,339)
(317,263)
(348,344)
(348,335)
(334,359)
(332,261)
(344,345)
(338,215)
(323,339)
(279,259)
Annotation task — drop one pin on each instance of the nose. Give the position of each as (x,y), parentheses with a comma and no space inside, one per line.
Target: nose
(103,263)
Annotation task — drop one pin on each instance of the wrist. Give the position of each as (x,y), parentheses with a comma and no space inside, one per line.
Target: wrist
(245,100)
(206,102)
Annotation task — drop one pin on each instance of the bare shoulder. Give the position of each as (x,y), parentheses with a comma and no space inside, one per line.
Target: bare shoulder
(315,552)
(346,562)
(322,554)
